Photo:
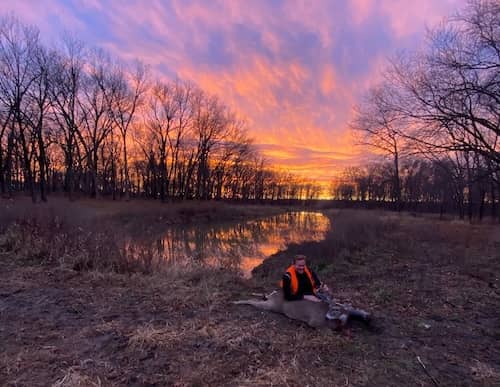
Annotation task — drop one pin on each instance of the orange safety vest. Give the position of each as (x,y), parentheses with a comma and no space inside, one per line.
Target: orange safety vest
(295,281)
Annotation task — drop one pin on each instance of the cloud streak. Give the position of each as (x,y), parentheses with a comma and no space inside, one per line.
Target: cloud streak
(293,68)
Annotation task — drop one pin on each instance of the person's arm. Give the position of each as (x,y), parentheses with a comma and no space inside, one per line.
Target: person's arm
(316,279)
(287,289)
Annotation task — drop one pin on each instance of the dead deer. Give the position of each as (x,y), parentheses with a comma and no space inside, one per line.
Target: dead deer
(310,312)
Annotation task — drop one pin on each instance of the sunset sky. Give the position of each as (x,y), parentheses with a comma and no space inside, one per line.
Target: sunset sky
(292,69)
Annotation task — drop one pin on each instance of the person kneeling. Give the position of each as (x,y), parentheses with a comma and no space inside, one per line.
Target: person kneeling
(300,282)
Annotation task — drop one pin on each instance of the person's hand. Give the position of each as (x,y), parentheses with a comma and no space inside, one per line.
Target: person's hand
(324,288)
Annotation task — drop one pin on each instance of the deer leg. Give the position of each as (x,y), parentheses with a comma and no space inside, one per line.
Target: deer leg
(264,305)
(360,315)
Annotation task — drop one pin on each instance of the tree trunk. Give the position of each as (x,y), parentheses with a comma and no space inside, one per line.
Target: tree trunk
(125,167)
(42,165)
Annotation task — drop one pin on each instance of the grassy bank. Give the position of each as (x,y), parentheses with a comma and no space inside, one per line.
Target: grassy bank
(136,213)
(432,286)
(90,234)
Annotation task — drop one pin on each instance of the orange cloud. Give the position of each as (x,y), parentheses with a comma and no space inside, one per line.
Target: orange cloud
(328,81)
(293,68)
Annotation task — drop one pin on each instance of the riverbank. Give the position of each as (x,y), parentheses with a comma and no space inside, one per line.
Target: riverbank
(107,235)
(136,212)
(432,286)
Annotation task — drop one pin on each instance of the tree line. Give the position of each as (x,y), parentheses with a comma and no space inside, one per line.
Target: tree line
(77,121)
(436,117)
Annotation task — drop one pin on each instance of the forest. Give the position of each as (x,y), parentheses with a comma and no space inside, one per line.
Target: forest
(75,120)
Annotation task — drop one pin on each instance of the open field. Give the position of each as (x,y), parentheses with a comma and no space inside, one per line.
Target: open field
(433,286)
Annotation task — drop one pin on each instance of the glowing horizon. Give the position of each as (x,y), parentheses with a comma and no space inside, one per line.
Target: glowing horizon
(292,69)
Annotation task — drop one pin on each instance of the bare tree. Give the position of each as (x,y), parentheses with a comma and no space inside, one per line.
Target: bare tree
(18,44)
(378,126)
(130,88)
(181,159)
(37,112)
(99,91)
(163,111)
(67,78)
(450,94)
(443,104)
(191,146)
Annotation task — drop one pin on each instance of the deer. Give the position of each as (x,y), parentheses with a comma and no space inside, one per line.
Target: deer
(314,314)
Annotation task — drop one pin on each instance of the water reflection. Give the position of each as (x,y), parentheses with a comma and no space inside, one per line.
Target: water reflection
(240,246)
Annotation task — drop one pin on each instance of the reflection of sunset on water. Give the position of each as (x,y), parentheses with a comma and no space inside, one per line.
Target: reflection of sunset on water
(241,246)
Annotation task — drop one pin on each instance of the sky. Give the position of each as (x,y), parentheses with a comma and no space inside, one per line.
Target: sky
(293,69)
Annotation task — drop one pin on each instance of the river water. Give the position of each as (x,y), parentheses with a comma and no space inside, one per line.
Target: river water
(241,246)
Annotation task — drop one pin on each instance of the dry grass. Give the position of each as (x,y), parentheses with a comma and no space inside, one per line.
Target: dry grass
(135,213)
(483,372)
(147,335)
(91,234)
(432,285)
(74,378)
(53,243)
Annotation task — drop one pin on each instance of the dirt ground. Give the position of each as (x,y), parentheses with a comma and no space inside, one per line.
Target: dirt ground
(433,288)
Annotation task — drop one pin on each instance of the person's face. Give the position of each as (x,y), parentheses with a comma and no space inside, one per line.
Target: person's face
(300,265)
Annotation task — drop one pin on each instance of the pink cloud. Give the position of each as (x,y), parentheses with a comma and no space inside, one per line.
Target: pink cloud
(405,17)
(288,68)
(42,14)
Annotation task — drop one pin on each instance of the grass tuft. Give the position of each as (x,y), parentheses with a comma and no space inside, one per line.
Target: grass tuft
(74,378)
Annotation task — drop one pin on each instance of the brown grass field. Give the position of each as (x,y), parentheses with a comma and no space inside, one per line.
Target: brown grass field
(433,287)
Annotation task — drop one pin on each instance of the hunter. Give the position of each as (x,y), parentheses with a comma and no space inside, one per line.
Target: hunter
(300,282)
